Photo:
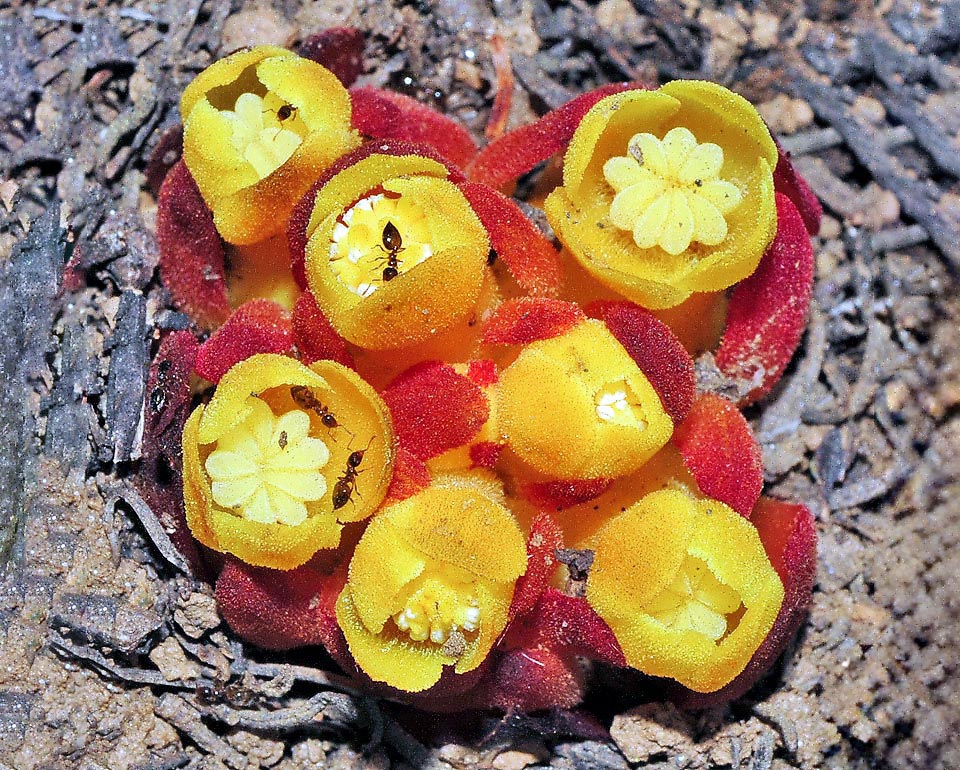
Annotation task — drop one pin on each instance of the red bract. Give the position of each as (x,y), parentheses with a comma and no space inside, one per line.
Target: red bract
(258,326)
(542,544)
(789,537)
(720,451)
(435,409)
(483,372)
(159,481)
(300,216)
(786,180)
(485,454)
(768,310)
(530,257)
(410,475)
(560,494)
(516,153)
(164,157)
(384,114)
(314,336)
(191,252)
(280,610)
(339,49)
(528,319)
(538,667)
(655,349)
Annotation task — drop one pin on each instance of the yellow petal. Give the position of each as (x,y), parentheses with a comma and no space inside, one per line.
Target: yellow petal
(630,204)
(648,228)
(678,143)
(302,485)
(235,491)
(223,465)
(648,151)
(621,172)
(704,162)
(722,194)
(678,229)
(709,226)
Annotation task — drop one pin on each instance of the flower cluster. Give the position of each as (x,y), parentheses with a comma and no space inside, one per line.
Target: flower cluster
(458,457)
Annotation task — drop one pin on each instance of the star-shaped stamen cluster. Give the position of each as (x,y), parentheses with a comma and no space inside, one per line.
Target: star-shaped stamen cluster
(695,601)
(669,192)
(267,468)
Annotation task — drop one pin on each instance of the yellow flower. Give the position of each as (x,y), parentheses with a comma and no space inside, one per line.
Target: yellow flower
(668,192)
(259,128)
(576,406)
(429,587)
(395,254)
(687,588)
(281,457)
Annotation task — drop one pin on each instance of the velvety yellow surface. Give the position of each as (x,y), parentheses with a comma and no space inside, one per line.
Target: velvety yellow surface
(364,424)
(422,302)
(661,542)
(251,202)
(446,534)
(552,410)
(579,210)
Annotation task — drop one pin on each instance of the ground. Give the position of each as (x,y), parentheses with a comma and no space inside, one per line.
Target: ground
(110,657)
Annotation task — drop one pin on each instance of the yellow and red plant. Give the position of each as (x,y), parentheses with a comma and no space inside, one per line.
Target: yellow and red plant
(457,457)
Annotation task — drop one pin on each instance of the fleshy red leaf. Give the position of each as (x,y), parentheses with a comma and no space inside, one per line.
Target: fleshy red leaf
(542,544)
(768,311)
(655,349)
(435,409)
(786,180)
(159,480)
(789,537)
(191,252)
(528,319)
(314,335)
(410,475)
(382,114)
(339,49)
(280,610)
(300,216)
(164,157)
(559,494)
(528,254)
(516,153)
(720,451)
(257,326)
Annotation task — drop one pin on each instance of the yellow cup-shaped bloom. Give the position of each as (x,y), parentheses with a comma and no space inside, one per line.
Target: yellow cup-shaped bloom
(668,192)
(258,128)
(430,584)
(395,254)
(281,457)
(686,587)
(576,406)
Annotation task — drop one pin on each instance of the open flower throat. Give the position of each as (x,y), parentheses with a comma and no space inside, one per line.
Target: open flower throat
(695,601)
(439,605)
(379,238)
(266,130)
(267,467)
(669,192)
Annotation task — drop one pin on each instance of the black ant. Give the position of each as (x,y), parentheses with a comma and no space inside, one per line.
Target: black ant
(346,485)
(286,112)
(391,242)
(304,398)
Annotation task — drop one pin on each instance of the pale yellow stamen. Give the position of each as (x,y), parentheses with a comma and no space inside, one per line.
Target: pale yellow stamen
(616,403)
(439,603)
(669,192)
(358,255)
(264,140)
(695,601)
(266,468)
